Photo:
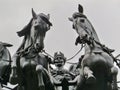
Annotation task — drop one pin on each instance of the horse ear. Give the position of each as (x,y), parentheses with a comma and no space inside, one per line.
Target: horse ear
(7,45)
(71,19)
(80,8)
(48,16)
(34,14)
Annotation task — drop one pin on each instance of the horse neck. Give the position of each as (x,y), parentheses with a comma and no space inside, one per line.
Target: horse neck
(95,47)
(30,38)
(94,34)
(28,42)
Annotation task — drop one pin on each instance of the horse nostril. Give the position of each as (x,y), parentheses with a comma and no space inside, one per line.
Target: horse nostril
(39,47)
(85,35)
(37,44)
(37,27)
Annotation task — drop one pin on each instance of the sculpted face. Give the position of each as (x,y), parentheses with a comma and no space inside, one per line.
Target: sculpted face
(59,61)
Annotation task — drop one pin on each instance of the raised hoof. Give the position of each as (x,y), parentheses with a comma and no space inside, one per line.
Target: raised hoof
(91,80)
(42,87)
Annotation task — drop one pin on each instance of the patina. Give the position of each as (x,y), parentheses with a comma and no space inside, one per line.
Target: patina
(5,63)
(98,64)
(29,67)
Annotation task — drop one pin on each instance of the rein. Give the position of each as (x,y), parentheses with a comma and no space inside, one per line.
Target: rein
(6,60)
(76,53)
(47,53)
(72,63)
(69,58)
(106,49)
(109,51)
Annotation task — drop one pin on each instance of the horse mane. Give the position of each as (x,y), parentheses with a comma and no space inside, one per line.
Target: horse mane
(25,30)
(94,31)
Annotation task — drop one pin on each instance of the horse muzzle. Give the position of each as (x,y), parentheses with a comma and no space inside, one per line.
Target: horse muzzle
(39,47)
(80,40)
(37,27)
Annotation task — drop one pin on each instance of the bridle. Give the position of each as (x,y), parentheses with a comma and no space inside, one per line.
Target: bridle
(84,28)
(91,39)
(68,58)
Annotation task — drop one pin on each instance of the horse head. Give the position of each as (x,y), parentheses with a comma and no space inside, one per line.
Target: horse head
(27,62)
(82,25)
(35,31)
(97,58)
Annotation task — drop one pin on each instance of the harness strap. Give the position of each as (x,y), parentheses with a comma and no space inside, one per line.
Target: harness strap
(47,54)
(82,45)
(109,51)
(69,58)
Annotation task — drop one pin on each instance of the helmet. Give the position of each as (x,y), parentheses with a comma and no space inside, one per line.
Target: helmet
(59,59)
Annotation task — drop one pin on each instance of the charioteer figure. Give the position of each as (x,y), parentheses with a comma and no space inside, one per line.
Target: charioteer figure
(61,76)
(60,72)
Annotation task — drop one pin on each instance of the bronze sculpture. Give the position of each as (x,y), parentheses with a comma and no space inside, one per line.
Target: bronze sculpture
(98,67)
(29,68)
(5,63)
(63,79)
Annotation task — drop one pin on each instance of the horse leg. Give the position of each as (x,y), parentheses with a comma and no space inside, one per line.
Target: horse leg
(114,72)
(88,73)
(13,76)
(39,70)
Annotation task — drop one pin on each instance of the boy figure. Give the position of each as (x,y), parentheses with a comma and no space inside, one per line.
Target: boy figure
(60,72)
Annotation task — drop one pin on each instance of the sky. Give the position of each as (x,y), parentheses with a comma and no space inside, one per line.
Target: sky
(103,14)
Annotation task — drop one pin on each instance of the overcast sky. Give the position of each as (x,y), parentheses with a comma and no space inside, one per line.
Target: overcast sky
(103,14)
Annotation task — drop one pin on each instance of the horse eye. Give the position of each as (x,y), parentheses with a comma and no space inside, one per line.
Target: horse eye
(35,22)
(82,20)
(73,26)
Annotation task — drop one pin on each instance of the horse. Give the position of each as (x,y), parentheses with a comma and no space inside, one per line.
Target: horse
(5,63)
(29,66)
(97,65)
